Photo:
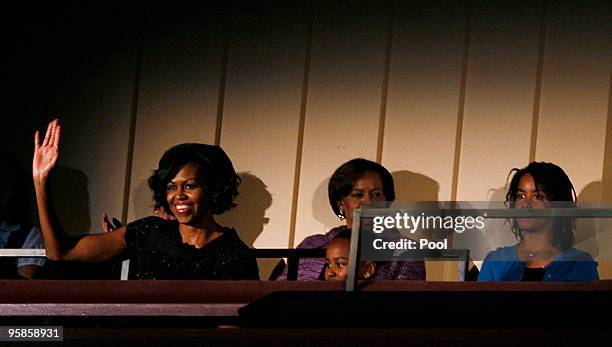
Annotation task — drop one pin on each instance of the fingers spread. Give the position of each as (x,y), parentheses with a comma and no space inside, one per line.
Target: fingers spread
(52,134)
(36,139)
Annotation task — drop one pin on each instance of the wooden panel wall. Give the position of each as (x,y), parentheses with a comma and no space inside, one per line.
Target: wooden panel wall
(342,113)
(261,117)
(89,86)
(178,94)
(424,93)
(499,95)
(575,90)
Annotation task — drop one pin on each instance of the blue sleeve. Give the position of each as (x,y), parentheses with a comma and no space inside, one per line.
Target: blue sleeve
(33,240)
(588,271)
(585,268)
(486,271)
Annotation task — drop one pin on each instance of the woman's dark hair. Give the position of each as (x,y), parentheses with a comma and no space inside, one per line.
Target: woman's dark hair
(344,178)
(213,166)
(14,189)
(551,180)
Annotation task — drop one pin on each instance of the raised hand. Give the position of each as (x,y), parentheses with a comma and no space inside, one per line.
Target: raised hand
(47,152)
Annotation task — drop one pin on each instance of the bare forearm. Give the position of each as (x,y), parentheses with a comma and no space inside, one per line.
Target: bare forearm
(47,220)
(91,248)
(99,247)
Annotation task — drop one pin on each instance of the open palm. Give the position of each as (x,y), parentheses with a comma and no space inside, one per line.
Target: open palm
(47,152)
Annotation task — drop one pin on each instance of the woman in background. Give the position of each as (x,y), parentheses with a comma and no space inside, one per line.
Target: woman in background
(544,251)
(15,230)
(352,184)
(193,182)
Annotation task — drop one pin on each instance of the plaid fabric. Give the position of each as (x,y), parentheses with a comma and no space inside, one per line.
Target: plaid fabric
(310,269)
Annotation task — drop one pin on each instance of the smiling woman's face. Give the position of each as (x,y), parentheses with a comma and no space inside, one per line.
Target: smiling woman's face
(186,196)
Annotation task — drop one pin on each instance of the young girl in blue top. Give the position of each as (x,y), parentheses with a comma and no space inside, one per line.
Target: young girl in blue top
(544,251)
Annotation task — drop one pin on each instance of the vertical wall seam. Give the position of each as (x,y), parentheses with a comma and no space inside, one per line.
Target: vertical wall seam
(302,123)
(384,95)
(132,130)
(469,9)
(223,78)
(606,177)
(538,87)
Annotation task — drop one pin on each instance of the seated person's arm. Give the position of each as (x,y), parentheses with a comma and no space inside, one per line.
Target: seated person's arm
(31,267)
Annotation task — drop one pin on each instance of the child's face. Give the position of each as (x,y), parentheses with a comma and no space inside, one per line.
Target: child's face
(336,257)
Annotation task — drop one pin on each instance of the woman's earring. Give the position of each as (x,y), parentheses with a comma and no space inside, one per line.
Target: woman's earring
(341,215)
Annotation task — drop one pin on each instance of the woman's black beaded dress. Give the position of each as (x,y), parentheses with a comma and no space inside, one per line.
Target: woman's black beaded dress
(156,251)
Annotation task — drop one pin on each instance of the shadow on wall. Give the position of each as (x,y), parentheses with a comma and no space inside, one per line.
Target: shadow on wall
(595,235)
(143,200)
(321,210)
(586,237)
(249,217)
(498,194)
(70,196)
(412,186)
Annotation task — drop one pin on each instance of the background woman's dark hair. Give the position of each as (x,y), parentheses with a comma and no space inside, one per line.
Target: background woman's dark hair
(213,165)
(556,185)
(342,181)
(14,189)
